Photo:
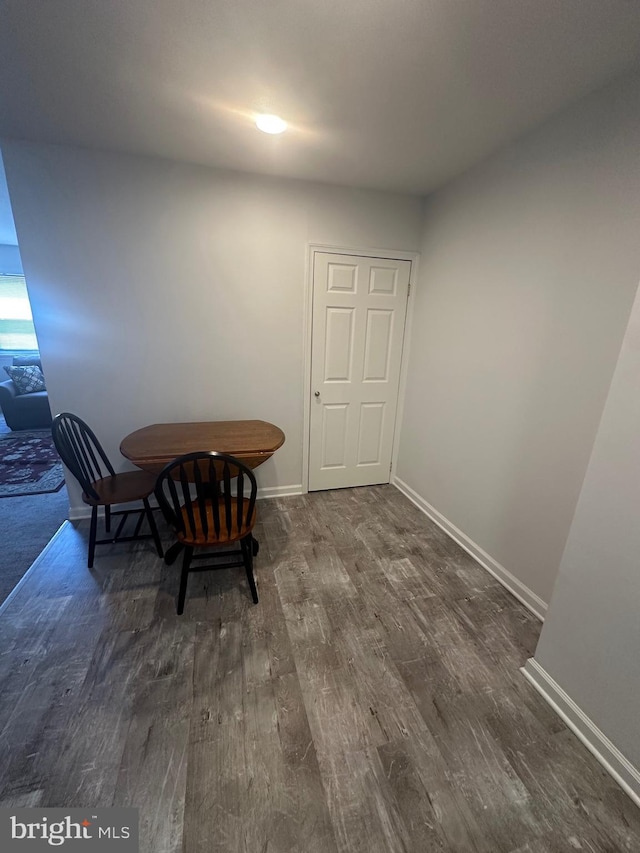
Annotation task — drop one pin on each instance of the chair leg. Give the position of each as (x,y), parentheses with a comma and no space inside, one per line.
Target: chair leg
(173,552)
(247,556)
(107,519)
(153,526)
(141,517)
(184,577)
(92,536)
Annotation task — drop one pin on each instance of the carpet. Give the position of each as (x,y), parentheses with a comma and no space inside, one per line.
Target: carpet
(29,464)
(27,523)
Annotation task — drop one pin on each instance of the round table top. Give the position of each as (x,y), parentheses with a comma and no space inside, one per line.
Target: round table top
(251,441)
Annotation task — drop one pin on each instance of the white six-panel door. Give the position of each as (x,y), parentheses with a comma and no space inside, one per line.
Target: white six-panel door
(359,308)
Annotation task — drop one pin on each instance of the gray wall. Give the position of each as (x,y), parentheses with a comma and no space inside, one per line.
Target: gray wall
(528,271)
(168,292)
(590,642)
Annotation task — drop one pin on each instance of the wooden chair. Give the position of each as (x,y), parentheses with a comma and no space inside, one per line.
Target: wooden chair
(195,495)
(83,455)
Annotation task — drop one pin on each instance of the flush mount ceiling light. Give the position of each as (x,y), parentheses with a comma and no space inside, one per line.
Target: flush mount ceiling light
(270,124)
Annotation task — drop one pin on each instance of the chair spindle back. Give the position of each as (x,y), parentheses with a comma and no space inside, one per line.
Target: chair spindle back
(80,451)
(192,483)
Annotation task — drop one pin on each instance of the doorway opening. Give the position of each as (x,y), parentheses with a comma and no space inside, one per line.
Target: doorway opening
(33,497)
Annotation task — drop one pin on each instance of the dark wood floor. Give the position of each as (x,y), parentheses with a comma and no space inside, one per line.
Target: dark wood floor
(371,702)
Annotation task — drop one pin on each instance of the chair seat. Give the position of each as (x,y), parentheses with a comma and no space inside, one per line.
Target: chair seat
(122,488)
(211,538)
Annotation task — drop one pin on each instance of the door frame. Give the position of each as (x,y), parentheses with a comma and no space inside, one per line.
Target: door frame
(392,254)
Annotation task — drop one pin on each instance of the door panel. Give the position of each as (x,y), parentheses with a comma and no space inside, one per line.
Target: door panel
(341,278)
(377,349)
(370,434)
(334,435)
(339,345)
(359,309)
(383,280)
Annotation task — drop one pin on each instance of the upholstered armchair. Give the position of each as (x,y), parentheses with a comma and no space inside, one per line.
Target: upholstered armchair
(24,411)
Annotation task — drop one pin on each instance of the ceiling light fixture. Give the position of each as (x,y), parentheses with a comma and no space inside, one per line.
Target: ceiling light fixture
(270,124)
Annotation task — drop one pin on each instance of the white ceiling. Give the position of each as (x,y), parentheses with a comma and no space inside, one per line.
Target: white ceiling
(392,94)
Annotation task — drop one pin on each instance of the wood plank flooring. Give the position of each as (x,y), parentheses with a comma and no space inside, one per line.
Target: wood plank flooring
(370,703)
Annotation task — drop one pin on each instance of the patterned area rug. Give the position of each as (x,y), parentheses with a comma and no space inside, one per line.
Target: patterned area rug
(29,464)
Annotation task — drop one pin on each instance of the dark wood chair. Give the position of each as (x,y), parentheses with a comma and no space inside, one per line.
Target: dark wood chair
(83,455)
(195,494)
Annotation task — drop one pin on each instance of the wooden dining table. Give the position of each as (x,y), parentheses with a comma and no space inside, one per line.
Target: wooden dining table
(152,447)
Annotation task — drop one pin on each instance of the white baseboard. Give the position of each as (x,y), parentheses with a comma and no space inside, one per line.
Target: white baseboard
(530,600)
(609,756)
(279,491)
(79,513)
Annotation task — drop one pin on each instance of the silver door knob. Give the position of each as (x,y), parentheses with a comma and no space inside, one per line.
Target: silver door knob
(317,394)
